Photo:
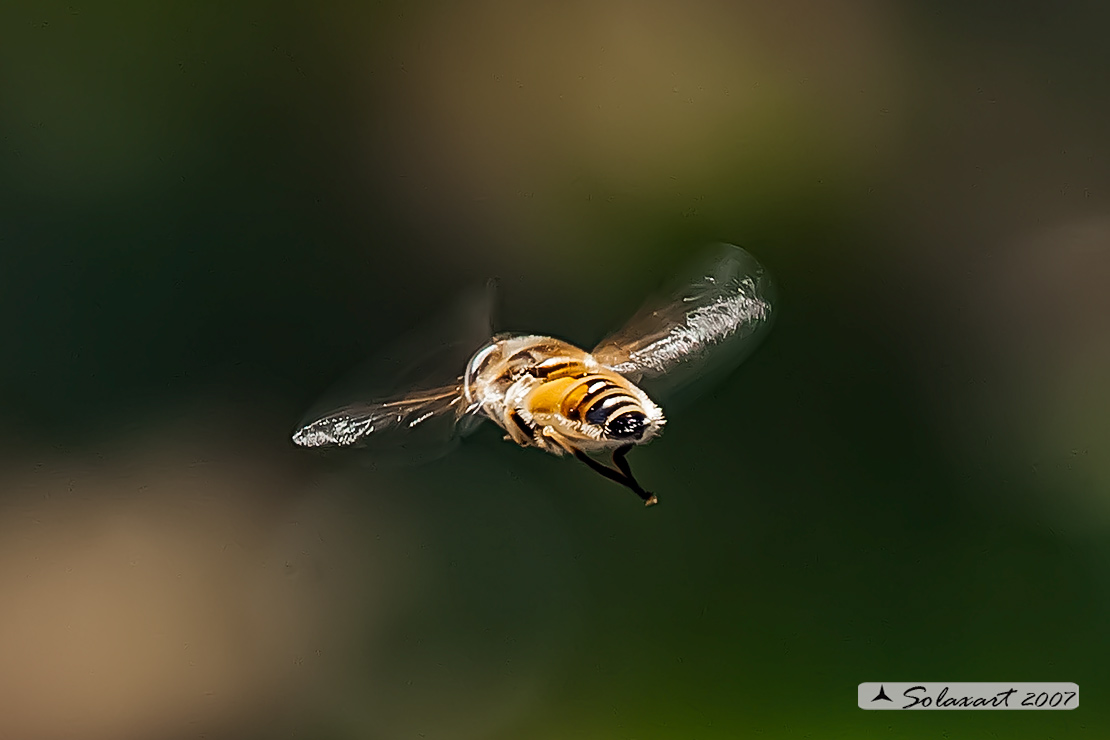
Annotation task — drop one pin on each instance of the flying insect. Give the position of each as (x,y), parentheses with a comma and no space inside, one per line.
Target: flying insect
(552,395)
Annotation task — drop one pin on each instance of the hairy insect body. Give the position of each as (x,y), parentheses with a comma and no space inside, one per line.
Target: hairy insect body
(549,394)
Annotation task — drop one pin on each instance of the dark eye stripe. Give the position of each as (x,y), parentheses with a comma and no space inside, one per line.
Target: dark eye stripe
(603,402)
(596,389)
(614,399)
(606,408)
(609,402)
(615,411)
(584,406)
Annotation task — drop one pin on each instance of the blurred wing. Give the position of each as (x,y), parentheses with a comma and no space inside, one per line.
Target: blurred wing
(405,401)
(713,318)
(432,354)
(354,424)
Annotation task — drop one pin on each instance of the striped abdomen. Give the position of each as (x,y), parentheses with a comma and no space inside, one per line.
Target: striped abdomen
(608,402)
(603,402)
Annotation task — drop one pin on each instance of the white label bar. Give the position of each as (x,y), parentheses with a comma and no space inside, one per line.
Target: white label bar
(988,695)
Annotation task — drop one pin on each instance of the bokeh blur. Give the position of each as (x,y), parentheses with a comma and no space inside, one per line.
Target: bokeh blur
(209,212)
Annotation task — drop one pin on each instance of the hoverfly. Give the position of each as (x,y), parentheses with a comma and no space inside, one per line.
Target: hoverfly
(549,394)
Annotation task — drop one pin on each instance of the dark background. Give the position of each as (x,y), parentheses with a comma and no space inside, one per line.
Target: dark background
(209,214)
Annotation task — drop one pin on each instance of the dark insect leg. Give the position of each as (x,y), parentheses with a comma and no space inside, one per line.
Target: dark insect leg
(597,467)
(621,463)
(623,466)
(522,426)
(618,477)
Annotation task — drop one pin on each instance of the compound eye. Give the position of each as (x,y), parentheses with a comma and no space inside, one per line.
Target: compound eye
(629,425)
(597,415)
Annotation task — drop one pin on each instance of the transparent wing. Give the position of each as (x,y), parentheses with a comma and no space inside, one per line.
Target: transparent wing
(355,423)
(405,402)
(713,317)
(433,354)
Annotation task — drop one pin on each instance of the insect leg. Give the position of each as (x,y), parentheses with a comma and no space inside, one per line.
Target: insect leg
(618,477)
(622,465)
(520,432)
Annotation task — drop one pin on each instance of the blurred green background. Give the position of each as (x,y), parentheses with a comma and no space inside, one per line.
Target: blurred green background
(210,212)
